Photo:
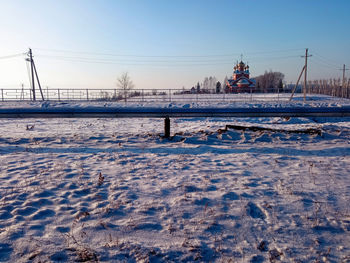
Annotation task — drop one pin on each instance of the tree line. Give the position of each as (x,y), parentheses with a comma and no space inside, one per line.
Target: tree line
(268,82)
(332,87)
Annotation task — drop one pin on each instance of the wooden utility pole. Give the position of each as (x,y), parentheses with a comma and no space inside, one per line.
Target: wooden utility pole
(305,72)
(296,84)
(343,83)
(33,71)
(37,78)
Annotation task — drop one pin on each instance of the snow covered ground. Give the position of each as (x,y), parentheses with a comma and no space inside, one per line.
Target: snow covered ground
(111,190)
(190,100)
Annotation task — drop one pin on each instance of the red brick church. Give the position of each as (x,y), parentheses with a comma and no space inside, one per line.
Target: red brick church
(240,81)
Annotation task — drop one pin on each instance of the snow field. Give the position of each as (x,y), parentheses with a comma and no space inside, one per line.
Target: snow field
(91,190)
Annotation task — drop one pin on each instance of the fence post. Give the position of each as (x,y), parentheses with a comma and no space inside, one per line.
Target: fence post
(87,94)
(166,127)
(143,96)
(47,93)
(169,95)
(59,98)
(2,94)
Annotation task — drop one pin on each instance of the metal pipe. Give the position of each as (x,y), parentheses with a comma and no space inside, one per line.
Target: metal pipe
(154,112)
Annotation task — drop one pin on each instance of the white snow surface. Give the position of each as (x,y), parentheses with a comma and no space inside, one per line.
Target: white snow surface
(114,190)
(258,100)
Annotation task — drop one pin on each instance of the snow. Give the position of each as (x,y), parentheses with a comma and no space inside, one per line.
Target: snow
(113,190)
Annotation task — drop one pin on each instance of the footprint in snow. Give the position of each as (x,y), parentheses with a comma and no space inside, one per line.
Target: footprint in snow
(254,211)
(230,196)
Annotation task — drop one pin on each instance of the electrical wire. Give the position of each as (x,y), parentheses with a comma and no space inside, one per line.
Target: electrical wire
(141,64)
(89,59)
(272,58)
(156,62)
(166,56)
(169,61)
(12,56)
(276,51)
(132,55)
(326,60)
(322,63)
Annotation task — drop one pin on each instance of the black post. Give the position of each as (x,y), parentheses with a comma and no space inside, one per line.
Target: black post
(166,127)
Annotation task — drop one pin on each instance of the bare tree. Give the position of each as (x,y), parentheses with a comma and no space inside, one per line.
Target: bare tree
(205,85)
(269,82)
(218,87)
(125,84)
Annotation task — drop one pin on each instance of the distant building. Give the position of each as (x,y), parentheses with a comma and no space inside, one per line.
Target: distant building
(240,81)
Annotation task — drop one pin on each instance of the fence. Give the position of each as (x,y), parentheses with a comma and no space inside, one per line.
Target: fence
(140,95)
(164,95)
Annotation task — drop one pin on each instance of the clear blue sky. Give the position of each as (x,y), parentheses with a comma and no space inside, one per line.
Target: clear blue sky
(170,44)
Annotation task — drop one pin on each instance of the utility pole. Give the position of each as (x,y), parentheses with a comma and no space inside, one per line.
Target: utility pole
(343,83)
(33,71)
(305,71)
(296,84)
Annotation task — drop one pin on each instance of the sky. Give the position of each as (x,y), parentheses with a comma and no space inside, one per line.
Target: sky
(169,44)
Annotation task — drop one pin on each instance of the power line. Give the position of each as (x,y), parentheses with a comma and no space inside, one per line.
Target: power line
(275,51)
(155,62)
(164,56)
(142,64)
(326,60)
(12,56)
(133,55)
(273,58)
(89,59)
(322,63)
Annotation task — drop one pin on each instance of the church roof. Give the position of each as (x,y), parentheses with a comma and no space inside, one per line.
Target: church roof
(243,82)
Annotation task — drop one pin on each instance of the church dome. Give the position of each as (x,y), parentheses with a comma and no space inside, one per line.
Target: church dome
(243,82)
